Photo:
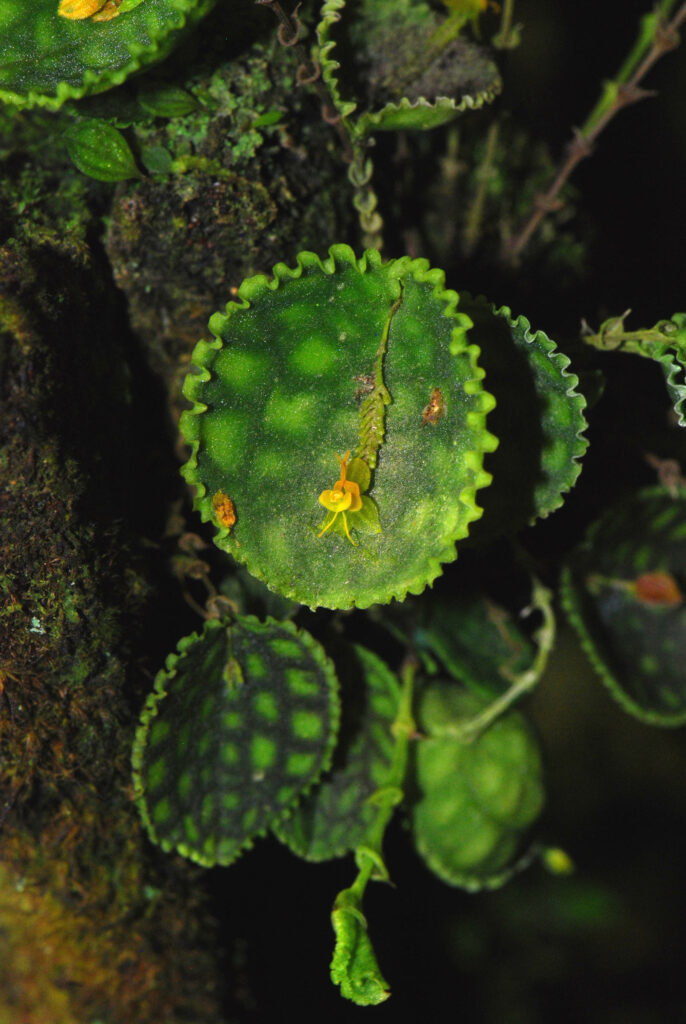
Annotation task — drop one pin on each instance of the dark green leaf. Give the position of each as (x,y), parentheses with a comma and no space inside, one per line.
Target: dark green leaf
(100,151)
(167,101)
(242,721)
(156,159)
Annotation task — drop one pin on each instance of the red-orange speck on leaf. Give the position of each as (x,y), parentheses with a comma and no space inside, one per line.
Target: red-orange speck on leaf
(224,509)
(657,588)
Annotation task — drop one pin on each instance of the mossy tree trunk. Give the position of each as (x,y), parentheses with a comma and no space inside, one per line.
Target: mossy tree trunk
(95,923)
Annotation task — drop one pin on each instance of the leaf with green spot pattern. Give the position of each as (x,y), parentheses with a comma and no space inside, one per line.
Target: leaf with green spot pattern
(334,818)
(538,418)
(633,633)
(241,722)
(274,402)
(475,640)
(473,801)
(46,59)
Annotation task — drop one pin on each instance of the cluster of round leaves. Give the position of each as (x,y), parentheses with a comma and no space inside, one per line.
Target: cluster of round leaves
(242,733)
(47,58)
(623,590)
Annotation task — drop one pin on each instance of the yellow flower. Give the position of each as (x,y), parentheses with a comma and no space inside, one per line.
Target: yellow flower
(95,10)
(343,497)
(78,10)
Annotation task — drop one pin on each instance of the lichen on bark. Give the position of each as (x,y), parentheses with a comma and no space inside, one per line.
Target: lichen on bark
(93,925)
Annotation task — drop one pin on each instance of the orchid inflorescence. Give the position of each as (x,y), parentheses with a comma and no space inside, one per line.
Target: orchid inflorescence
(343,497)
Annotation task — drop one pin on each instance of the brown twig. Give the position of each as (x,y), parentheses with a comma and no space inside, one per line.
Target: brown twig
(309,73)
(665,38)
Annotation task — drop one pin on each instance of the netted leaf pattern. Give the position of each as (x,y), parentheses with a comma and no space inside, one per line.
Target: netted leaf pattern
(241,722)
(334,818)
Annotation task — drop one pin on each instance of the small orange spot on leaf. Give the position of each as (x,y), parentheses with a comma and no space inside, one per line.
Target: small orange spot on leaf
(432,412)
(657,588)
(224,509)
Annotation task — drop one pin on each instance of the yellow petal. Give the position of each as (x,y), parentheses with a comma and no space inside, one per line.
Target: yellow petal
(77,10)
(109,11)
(352,488)
(355,502)
(335,501)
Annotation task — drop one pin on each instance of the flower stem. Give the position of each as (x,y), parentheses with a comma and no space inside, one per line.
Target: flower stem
(656,37)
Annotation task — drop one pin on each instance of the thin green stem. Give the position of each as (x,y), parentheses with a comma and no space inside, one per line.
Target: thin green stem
(507,37)
(648,26)
(484,176)
(354,966)
(541,600)
(506,17)
(445,33)
(655,38)
(369,858)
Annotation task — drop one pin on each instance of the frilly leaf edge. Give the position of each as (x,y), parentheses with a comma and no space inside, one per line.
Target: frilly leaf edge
(150,710)
(342,254)
(94,82)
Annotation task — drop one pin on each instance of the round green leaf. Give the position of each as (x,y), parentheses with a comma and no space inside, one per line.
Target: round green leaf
(538,418)
(241,722)
(335,816)
(100,151)
(474,800)
(46,59)
(622,591)
(288,385)
(411,85)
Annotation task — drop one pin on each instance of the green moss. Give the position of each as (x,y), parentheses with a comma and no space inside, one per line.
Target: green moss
(82,898)
(256,175)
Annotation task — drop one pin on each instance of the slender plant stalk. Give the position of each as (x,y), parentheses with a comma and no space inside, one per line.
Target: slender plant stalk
(507,38)
(655,38)
(369,858)
(541,600)
(484,176)
(354,966)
